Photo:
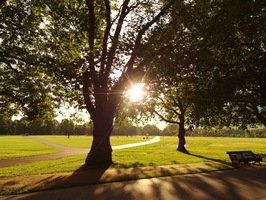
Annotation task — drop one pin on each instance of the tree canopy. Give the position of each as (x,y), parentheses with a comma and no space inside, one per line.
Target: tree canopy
(214,55)
(230,62)
(82,52)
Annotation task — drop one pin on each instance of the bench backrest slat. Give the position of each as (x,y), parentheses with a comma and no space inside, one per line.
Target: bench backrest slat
(243,156)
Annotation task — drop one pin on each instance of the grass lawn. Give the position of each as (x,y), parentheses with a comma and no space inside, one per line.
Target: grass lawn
(17,146)
(160,153)
(201,149)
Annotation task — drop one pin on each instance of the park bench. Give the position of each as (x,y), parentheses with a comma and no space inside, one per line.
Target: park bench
(244,157)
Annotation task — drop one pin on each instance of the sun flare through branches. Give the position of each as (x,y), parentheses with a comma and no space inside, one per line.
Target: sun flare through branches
(136,92)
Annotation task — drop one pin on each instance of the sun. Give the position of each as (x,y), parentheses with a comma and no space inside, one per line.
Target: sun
(136,92)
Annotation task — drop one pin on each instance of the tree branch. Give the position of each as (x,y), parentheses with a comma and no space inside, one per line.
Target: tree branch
(86,94)
(3,60)
(164,119)
(105,39)
(91,35)
(255,110)
(113,48)
(168,108)
(134,54)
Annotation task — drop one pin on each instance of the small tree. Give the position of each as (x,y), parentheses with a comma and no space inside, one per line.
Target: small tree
(67,127)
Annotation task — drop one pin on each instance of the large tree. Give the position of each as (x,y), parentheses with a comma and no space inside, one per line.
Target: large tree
(83,52)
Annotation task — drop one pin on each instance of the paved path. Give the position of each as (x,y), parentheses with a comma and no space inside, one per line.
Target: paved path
(66,151)
(155,139)
(240,184)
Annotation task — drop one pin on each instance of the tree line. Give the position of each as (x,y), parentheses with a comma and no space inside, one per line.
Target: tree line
(41,127)
(68,127)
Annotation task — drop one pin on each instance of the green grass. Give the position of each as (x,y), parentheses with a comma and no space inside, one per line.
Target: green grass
(201,149)
(85,141)
(160,153)
(73,141)
(217,147)
(17,146)
(66,164)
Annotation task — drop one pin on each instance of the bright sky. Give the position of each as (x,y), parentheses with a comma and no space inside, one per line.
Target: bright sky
(136,92)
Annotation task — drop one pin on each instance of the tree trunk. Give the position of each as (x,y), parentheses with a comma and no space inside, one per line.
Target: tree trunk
(181,135)
(100,154)
(261,118)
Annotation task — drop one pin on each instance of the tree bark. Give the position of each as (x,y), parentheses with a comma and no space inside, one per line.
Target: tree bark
(100,154)
(181,135)
(261,118)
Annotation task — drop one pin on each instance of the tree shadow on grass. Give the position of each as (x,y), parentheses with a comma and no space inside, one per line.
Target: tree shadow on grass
(263,155)
(83,176)
(135,164)
(230,184)
(217,160)
(205,157)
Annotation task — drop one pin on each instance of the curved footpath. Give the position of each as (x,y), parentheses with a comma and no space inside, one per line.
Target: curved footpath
(65,151)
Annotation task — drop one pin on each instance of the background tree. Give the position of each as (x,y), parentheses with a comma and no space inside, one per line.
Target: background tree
(82,129)
(67,127)
(148,130)
(22,126)
(172,104)
(170,130)
(5,125)
(125,129)
(42,127)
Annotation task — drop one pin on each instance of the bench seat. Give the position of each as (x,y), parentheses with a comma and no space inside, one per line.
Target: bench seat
(243,157)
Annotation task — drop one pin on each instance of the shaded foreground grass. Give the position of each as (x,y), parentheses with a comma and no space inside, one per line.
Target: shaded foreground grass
(206,154)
